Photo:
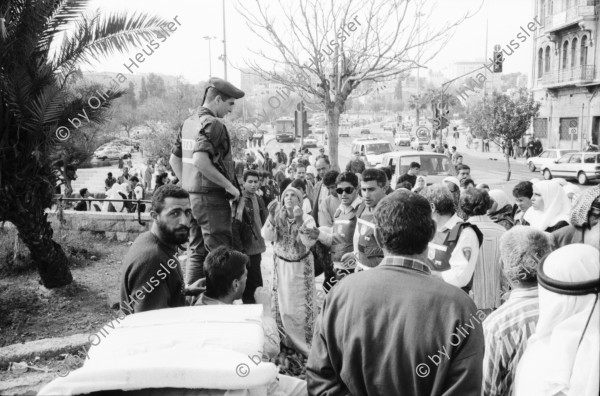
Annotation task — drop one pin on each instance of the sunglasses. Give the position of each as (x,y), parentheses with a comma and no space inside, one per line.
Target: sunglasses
(347,190)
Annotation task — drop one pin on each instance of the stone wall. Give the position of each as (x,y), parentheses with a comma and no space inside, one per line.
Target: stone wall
(120,226)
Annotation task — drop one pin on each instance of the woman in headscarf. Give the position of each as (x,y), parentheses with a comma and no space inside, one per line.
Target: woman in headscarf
(117,191)
(563,355)
(501,210)
(549,207)
(454,186)
(420,185)
(293,270)
(585,221)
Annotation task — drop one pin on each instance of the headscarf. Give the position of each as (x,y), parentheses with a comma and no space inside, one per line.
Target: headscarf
(582,206)
(556,206)
(500,198)
(419,178)
(296,192)
(456,196)
(534,180)
(560,181)
(560,356)
(113,193)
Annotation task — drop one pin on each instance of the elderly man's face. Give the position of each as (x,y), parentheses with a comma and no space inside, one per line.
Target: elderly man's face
(322,168)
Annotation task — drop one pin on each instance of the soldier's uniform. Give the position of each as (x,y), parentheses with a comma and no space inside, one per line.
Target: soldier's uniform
(204,132)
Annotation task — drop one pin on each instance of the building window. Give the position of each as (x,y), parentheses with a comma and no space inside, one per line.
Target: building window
(583,52)
(564,128)
(547,60)
(540,128)
(565,55)
(543,11)
(574,52)
(540,62)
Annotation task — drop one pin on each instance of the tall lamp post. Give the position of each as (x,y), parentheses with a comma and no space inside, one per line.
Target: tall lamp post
(209,55)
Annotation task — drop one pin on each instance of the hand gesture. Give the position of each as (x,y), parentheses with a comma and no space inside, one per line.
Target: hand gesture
(262,295)
(313,233)
(298,214)
(272,208)
(197,287)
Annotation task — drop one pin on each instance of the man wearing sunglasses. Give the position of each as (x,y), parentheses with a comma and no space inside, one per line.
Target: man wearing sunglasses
(203,162)
(340,237)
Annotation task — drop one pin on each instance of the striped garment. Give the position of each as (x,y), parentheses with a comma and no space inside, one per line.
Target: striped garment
(487,278)
(506,332)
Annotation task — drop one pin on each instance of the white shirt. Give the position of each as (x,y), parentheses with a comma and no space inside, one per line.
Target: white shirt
(461,267)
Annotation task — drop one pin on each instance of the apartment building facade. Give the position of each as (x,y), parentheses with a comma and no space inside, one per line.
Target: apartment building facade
(566,73)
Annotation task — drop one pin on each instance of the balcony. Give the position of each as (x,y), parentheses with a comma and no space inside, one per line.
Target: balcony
(583,10)
(573,76)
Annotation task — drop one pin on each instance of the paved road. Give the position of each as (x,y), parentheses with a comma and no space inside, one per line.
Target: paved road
(489,168)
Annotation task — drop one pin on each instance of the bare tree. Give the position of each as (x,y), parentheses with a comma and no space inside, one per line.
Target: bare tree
(326,51)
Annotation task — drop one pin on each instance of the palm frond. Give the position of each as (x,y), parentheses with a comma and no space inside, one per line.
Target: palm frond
(101,36)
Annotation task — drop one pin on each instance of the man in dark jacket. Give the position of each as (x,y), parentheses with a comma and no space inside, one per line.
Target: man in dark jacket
(249,218)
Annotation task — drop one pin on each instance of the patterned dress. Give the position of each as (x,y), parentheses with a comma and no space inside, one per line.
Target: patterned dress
(294,290)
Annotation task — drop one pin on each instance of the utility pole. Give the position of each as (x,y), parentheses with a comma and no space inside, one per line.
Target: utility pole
(209,55)
(224,45)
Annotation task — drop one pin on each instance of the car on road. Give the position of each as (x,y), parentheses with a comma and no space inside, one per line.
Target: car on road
(387,128)
(109,153)
(310,141)
(319,131)
(434,166)
(546,157)
(344,132)
(371,150)
(365,131)
(419,143)
(402,139)
(583,166)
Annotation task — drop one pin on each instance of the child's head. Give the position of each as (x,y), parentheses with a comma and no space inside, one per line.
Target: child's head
(523,192)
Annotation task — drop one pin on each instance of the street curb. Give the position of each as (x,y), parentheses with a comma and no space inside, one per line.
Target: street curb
(44,348)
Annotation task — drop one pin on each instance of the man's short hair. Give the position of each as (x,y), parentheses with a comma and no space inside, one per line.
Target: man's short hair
(461,167)
(464,183)
(300,165)
(109,174)
(404,223)
(405,184)
(323,158)
(388,172)
(521,250)
(222,266)
(299,184)
(454,148)
(284,184)
(330,177)
(415,165)
(440,196)
(167,191)
(348,177)
(375,174)
(212,93)
(475,202)
(134,179)
(83,191)
(523,189)
(459,156)
(250,172)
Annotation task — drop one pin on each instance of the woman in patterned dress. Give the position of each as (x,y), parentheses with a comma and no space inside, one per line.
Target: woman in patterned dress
(293,283)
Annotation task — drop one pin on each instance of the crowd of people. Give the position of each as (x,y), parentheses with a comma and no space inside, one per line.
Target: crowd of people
(430,289)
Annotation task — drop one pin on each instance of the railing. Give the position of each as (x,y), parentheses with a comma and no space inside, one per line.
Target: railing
(572,14)
(580,74)
(60,200)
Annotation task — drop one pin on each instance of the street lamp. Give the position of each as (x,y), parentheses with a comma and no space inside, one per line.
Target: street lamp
(209,55)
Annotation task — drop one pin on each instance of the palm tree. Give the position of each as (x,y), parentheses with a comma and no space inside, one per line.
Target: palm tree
(38,55)
(418,103)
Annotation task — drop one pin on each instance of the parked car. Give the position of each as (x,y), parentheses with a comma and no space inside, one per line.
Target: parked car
(310,141)
(546,157)
(319,131)
(365,131)
(388,127)
(371,149)
(402,139)
(583,166)
(434,166)
(111,153)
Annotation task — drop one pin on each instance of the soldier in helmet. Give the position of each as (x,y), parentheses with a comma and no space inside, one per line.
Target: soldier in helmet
(203,162)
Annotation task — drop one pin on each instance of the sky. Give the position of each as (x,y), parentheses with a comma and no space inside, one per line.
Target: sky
(186,53)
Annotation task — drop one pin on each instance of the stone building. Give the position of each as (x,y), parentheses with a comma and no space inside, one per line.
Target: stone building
(566,70)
